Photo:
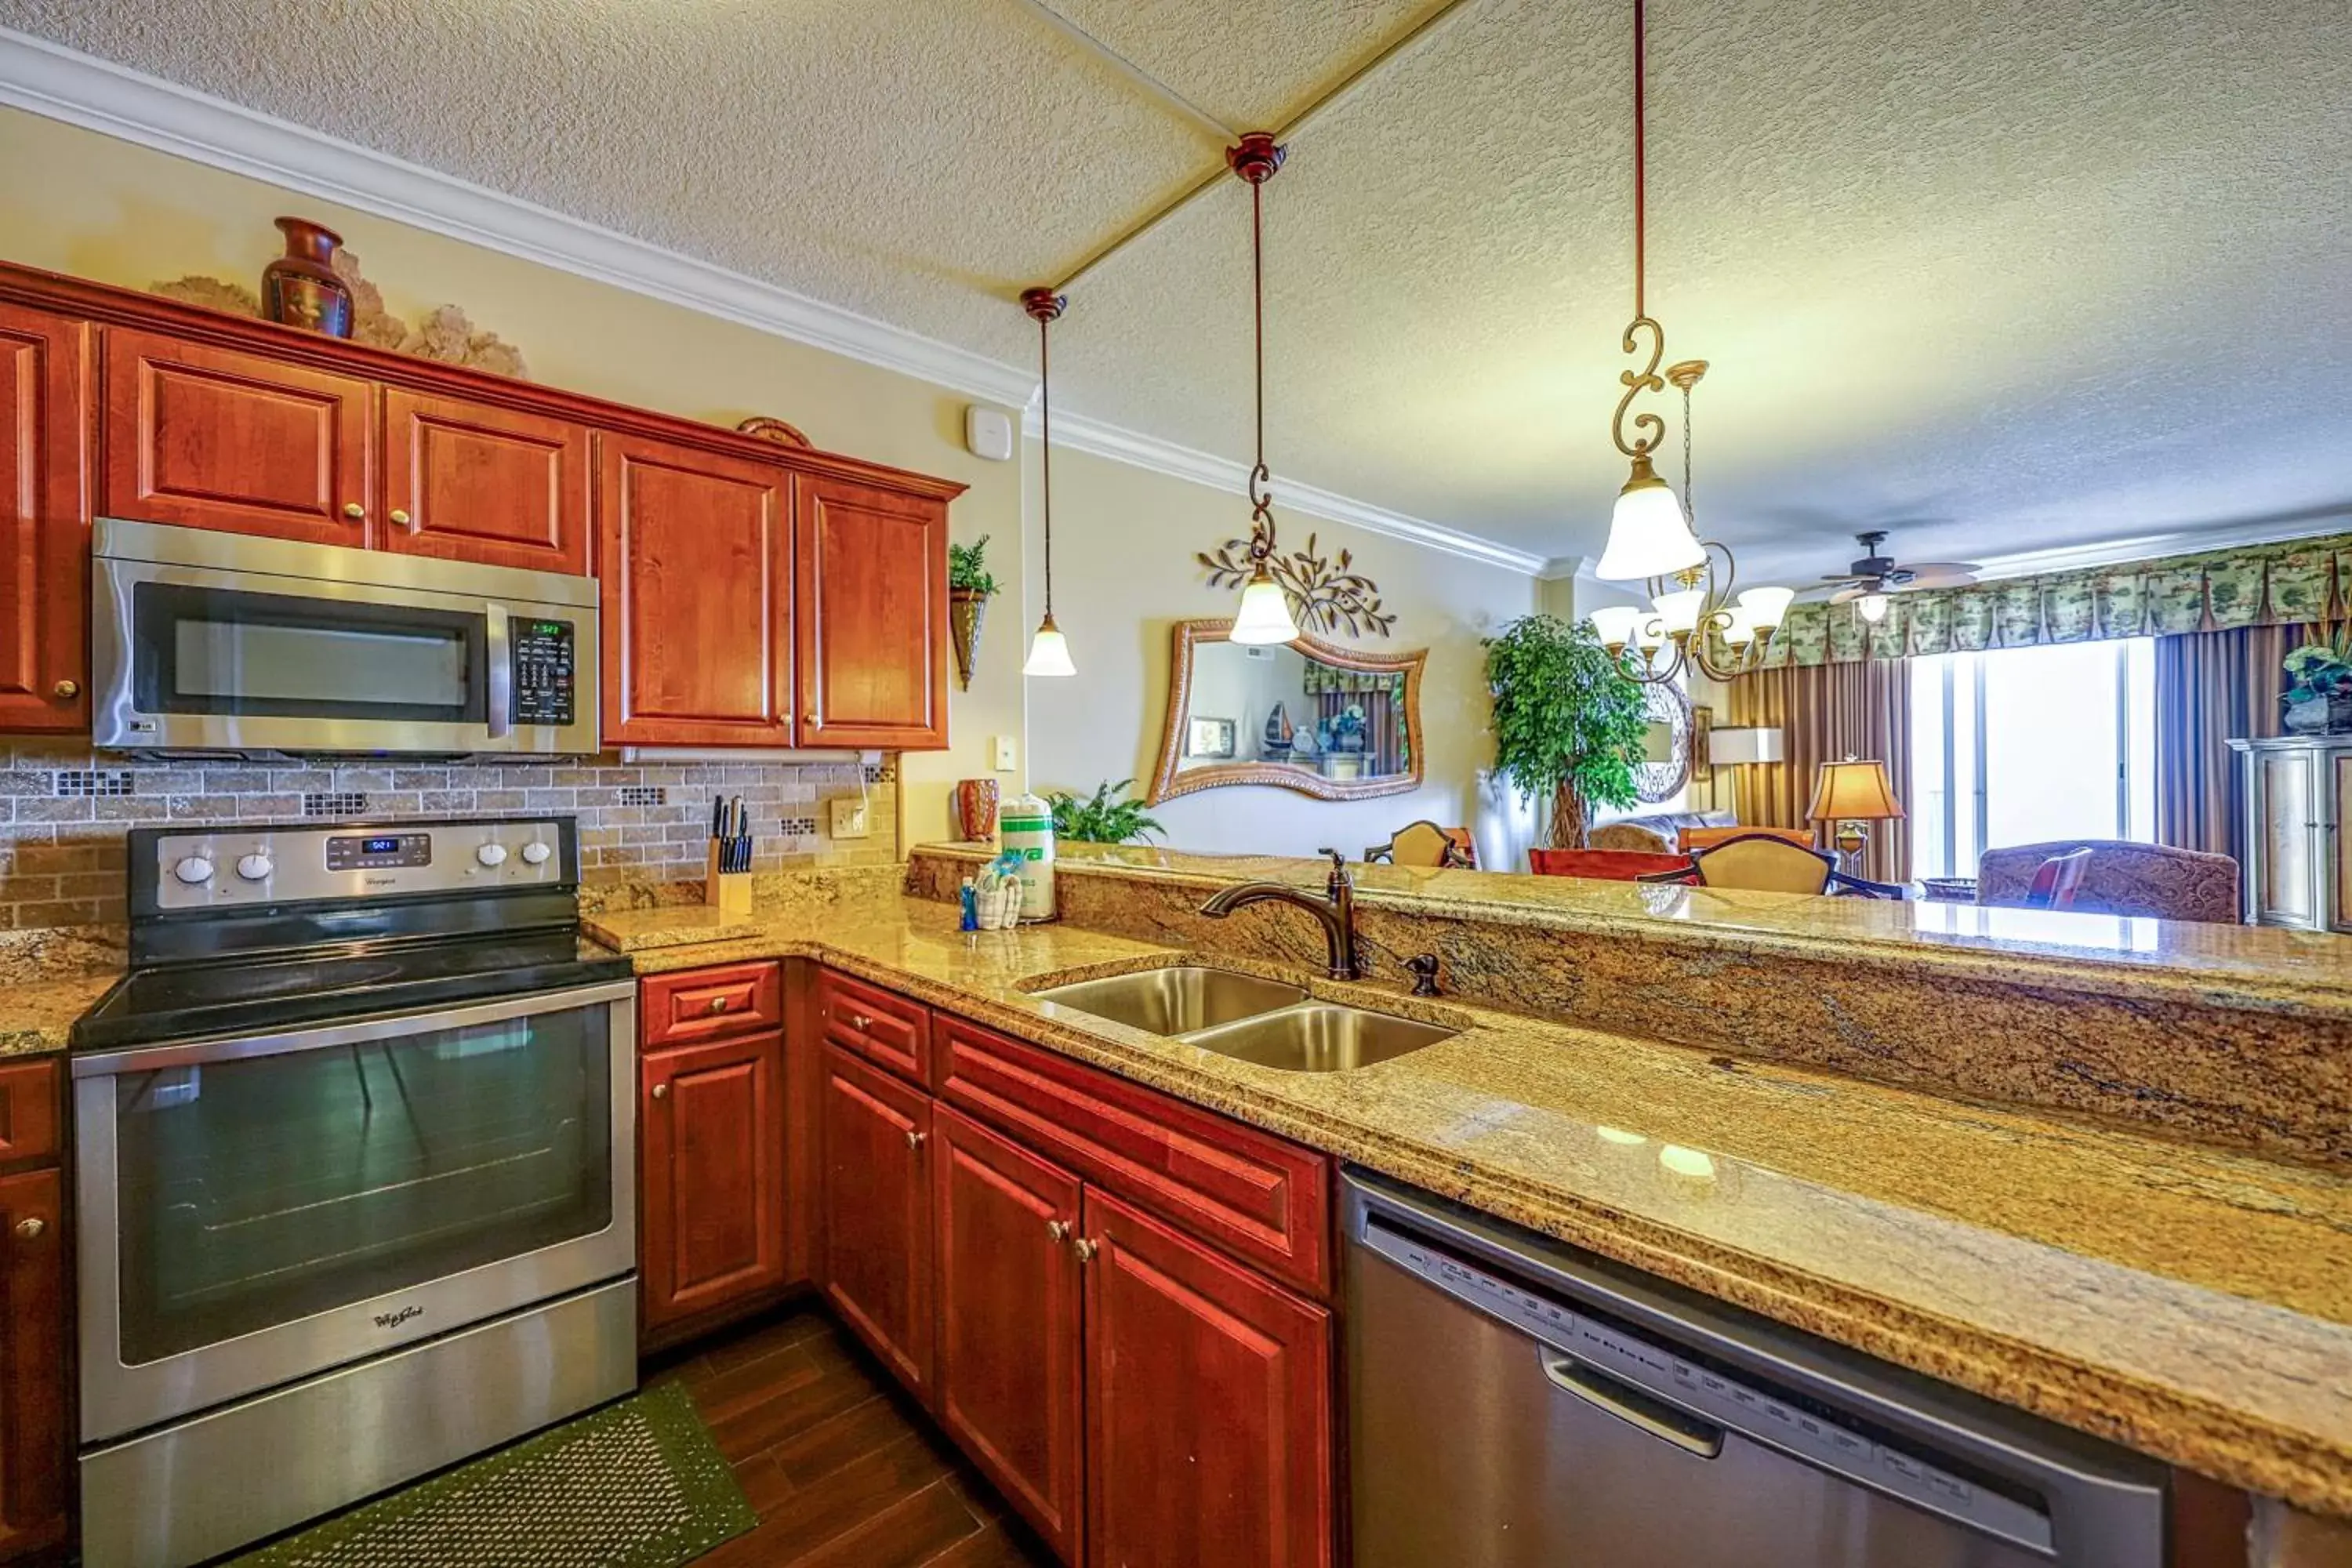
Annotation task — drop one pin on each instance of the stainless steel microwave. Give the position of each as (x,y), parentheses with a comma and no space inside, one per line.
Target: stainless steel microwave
(224,642)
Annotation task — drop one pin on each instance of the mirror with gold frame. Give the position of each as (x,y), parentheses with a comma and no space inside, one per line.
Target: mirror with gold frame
(1327,721)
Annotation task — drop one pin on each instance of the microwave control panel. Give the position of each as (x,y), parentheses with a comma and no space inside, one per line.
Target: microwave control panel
(542,656)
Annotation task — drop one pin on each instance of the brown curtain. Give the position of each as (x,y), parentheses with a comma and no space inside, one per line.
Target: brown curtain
(2212,688)
(1826,712)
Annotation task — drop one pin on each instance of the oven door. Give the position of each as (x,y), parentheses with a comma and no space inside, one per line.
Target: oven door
(259,1209)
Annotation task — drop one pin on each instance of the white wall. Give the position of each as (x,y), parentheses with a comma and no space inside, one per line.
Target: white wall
(1124,545)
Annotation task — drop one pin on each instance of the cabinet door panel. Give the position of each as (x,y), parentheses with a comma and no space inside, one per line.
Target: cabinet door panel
(714,1175)
(34,1435)
(477,482)
(209,438)
(876,1263)
(1208,1406)
(872,617)
(2288,875)
(44,522)
(1010,1382)
(695,556)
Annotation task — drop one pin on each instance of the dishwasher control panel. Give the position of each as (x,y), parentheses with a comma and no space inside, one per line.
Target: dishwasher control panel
(1714,1395)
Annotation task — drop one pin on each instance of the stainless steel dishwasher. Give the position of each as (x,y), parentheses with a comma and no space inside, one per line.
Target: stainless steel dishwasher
(1515,1402)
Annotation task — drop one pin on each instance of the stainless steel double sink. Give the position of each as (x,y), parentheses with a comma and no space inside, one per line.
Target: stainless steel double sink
(1248,1017)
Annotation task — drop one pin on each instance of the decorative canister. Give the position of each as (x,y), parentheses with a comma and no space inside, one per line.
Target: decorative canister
(301,287)
(975,801)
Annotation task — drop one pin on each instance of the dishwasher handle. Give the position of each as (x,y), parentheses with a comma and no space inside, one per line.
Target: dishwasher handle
(1630,1404)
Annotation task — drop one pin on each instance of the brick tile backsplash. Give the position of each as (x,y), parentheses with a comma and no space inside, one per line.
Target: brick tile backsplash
(64,812)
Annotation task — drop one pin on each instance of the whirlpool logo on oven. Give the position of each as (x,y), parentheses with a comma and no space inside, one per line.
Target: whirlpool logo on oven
(394,1319)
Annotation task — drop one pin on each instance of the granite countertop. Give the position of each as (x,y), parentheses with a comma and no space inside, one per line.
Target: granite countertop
(2307,969)
(2195,1304)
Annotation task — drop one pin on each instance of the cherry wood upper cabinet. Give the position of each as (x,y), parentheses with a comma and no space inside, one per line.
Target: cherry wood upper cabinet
(35,1437)
(209,438)
(713,1120)
(873,616)
(1208,1404)
(875,1265)
(473,481)
(1011,1385)
(44,522)
(695,555)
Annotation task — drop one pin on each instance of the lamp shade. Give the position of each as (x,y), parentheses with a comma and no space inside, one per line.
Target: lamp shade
(1873,608)
(1614,623)
(1264,616)
(1049,651)
(1767,607)
(1730,743)
(1853,791)
(1648,534)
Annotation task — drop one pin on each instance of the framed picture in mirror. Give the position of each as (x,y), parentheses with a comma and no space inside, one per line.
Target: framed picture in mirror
(1332,722)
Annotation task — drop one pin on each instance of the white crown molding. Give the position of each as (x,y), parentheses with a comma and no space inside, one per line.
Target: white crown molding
(1078,433)
(49,79)
(58,83)
(2155,546)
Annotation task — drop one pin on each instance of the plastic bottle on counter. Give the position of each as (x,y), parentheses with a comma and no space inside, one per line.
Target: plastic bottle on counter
(1025,826)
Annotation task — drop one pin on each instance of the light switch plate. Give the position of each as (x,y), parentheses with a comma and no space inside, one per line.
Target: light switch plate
(849,819)
(1005,754)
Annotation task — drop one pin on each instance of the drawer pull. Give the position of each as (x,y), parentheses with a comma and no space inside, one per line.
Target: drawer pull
(661,1091)
(860,1022)
(31,1228)
(914,1139)
(1086,1249)
(718,1004)
(1059,1229)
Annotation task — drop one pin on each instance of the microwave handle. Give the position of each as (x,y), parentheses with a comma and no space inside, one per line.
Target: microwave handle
(501,672)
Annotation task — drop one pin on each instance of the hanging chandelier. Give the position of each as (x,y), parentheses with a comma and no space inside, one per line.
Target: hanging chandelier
(1264,614)
(1049,651)
(1652,538)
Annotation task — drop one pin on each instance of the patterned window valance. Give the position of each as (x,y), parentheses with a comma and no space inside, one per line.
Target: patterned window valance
(2265,584)
(1323,678)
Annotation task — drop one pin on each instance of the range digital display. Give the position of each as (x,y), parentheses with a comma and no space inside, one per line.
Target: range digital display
(375,851)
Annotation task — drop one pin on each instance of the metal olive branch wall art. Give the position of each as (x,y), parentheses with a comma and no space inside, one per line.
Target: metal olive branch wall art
(1327,594)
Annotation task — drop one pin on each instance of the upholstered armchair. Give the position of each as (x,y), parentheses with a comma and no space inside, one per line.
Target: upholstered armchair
(2154,880)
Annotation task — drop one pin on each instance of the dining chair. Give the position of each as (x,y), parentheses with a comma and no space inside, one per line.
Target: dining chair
(1428,845)
(2154,882)
(1767,861)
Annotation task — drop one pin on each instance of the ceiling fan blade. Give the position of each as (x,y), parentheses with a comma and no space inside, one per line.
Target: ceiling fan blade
(1848,578)
(1924,567)
(1940,574)
(1848,596)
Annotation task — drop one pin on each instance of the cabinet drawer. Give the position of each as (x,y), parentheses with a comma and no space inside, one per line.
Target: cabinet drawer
(1262,1198)
(710,1004)
(28,1110)
(887,1030)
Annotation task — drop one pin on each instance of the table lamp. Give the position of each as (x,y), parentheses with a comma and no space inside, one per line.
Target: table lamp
(1850,793)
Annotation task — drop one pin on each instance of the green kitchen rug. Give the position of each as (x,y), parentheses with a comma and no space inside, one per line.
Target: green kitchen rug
(638,1484)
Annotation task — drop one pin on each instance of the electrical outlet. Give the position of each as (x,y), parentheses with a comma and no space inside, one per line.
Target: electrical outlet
(849,819)
(1005,761)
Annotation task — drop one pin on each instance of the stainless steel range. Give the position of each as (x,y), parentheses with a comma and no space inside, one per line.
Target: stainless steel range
(355,1173)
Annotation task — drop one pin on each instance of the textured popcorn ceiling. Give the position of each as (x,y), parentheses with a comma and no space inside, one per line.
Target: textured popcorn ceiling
(2003,276)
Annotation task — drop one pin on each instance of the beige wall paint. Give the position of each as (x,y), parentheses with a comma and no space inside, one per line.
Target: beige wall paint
(1124,542)
(77,201)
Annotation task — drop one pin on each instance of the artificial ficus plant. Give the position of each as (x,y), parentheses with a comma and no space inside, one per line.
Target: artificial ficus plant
(1569,721)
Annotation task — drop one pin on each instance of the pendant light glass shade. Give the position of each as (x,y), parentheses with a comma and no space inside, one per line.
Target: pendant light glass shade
(1265,618)
(1648,534)
(1681,609)
(1049,651)
(1614,623)
(1767,607)
(1873,608)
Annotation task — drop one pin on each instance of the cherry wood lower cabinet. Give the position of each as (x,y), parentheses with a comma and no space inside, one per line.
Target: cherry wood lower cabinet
(712,1119)
(35,1408)
(1011,1387)
(44,522)
(875,1202)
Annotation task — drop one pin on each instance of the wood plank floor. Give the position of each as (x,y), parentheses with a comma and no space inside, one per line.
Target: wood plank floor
(844,1471)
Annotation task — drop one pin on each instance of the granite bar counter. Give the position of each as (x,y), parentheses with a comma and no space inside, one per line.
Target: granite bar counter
(2194,1303)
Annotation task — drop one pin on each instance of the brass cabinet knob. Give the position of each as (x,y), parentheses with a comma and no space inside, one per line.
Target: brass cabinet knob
(353,511)
(1086,1249)
(661,1091)
(811,717)
(860,1022)
(65,690)
(915,1139)
(31,1229)
(718,1004)
(402,519)
(1059,1229)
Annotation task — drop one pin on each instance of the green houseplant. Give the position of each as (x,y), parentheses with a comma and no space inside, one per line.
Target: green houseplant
(1569,721)
(1102,819)
(2318,674)
(970,585)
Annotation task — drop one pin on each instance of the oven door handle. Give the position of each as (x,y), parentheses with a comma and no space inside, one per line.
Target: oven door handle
(238,1047)
(498,651)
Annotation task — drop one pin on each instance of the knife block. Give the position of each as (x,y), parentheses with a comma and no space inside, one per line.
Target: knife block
(728,892)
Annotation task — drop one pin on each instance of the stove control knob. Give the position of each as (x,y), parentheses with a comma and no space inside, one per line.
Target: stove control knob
(491,854)
(192,870)
(254,867)
(536,853)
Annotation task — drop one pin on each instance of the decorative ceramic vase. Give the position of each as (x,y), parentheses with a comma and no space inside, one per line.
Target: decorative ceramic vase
(966,610)
(301,287)
(975,801)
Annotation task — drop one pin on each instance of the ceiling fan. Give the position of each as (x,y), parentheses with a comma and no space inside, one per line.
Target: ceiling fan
(1868,582)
